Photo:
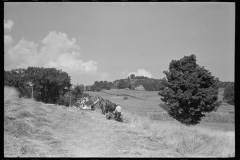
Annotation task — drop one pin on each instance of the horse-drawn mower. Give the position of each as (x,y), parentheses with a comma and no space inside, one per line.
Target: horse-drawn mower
(118,117)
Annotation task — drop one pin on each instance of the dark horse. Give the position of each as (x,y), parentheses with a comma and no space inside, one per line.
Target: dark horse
(102,104)
(111,107)
(106,106)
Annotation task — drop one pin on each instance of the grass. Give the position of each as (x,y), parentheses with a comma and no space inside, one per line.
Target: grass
(35,129)
(192,141)
(27,126)
(10,93)
(148,104)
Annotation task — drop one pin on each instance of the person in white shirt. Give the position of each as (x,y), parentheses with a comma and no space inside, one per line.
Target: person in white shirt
(118,110)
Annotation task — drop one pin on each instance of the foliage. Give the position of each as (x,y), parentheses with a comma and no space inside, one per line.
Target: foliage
(98,86)
(189,92)
(132,76)
(87,88)
(48,83)
(229,94)
(224,84)
(122,84)
(78,90)
(149,84)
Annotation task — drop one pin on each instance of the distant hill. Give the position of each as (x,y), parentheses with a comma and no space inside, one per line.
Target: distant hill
(149,84)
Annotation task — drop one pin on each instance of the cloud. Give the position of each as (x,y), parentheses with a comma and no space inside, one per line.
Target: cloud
(57,51)
(20,55)
(141,72)
(8,40)
(8,25)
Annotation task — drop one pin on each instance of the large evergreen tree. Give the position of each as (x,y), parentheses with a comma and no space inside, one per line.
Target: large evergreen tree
(189,91)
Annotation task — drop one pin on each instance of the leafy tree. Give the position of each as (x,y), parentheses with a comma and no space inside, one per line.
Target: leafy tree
(132,76)
(78,90)
(189,91)
(122,84)
(49,84)
(87,88)
(229,94)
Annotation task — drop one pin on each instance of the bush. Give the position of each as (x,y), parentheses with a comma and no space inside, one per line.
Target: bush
(229,94)
(189,92)
(125,98)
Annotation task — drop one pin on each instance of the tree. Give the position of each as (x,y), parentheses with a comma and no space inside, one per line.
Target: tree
(122,84)
(48,83)
(189,91)
(78,90)
(87,88)
(229,94)
(132,76)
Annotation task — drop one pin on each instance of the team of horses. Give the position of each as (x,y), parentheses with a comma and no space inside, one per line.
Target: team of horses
(105,105)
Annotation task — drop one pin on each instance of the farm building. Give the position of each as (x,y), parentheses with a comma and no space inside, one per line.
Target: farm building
(140,88)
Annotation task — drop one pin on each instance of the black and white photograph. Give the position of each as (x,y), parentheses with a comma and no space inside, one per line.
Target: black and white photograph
(119,79)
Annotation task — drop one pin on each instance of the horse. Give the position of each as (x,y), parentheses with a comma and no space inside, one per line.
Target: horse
(110,107)
(102,104)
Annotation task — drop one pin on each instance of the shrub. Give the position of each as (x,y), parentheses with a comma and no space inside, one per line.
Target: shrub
(189,92)
(125,98)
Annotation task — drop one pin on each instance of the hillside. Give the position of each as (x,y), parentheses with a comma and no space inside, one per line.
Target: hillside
(35,129)
(56,131)
(147,103)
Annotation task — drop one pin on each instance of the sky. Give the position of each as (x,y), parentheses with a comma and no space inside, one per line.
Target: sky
(98,41)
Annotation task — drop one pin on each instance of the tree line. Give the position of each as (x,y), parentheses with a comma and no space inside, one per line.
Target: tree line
(130,82)
(49,85)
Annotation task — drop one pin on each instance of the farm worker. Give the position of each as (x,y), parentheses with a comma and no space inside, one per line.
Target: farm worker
(118,110)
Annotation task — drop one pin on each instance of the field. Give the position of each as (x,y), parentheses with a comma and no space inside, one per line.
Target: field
(35,129)
(146,103)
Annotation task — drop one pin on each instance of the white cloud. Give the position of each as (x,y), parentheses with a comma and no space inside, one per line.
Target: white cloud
(141,72)
(57,51)
(8,24)
(8,40)
(20,55)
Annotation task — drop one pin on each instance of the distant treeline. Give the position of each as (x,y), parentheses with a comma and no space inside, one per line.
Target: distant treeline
(224,84)
(229,91)
(131,82)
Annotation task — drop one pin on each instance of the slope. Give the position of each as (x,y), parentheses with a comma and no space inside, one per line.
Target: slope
(33,129)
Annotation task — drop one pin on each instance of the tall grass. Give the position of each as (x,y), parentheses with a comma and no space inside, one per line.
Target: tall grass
(194,141)
(10,93)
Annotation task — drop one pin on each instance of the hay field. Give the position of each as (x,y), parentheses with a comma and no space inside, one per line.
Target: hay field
(148,105)
(35,129)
